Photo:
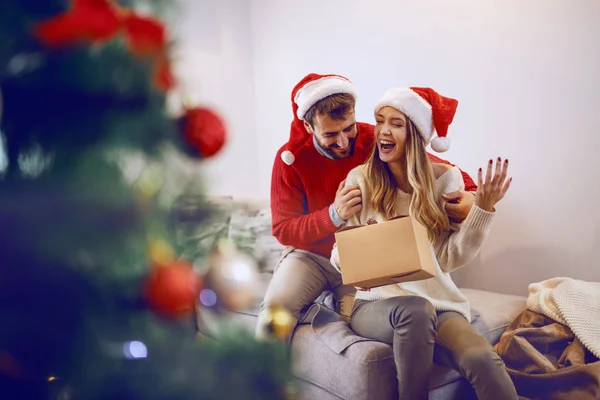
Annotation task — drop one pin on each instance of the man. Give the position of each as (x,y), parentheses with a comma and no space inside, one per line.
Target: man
(309,201)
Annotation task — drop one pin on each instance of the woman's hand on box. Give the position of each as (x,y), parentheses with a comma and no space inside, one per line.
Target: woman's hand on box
(362,289)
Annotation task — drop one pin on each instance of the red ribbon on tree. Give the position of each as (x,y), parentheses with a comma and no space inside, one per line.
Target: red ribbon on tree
(98,21)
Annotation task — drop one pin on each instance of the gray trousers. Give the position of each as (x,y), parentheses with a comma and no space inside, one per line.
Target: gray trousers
(413,328)
(299,278)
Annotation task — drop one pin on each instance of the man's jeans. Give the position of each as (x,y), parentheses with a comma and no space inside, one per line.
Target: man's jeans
(299,278)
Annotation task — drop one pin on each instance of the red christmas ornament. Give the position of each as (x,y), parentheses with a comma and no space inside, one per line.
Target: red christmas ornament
(204,131)
(88,21)
(172,290)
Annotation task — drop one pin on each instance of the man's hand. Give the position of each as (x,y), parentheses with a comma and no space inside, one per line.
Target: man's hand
(348,201)
(458,205)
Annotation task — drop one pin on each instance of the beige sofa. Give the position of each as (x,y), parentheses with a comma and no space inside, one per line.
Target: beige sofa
(342,365)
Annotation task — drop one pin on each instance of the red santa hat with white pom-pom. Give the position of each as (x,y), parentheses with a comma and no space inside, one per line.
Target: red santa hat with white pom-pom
(311,89)
(431,112)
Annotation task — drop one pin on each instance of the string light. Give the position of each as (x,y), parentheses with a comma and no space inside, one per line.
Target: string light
(135,350)
(208,298)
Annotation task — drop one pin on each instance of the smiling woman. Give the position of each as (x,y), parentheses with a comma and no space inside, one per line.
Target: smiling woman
(399,179)
(393,124)
(400,160)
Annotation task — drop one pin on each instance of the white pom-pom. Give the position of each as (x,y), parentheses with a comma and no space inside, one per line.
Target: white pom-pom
(440,144)
(288,157)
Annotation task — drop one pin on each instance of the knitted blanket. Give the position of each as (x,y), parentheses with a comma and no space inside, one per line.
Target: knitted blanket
(573,303)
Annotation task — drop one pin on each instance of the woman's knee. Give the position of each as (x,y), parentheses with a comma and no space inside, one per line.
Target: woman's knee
(413,310)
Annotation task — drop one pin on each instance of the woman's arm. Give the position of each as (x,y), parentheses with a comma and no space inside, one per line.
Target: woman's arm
(459,247)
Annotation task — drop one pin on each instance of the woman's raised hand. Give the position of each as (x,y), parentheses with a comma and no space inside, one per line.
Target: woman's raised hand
(495,186)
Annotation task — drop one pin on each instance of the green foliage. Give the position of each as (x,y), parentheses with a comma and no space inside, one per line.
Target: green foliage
(70,116)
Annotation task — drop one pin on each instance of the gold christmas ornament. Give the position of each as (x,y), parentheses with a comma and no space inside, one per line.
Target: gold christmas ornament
(160,252)
(280,322)
(233,276)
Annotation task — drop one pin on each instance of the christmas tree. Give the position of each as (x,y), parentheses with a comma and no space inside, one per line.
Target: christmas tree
(95,301)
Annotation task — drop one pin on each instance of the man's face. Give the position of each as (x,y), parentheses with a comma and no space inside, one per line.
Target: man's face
(336,137)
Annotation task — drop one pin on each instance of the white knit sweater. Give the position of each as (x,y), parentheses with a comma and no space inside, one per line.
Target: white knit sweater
(457,247)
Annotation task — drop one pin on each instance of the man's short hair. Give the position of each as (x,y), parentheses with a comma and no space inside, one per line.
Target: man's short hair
(337,106)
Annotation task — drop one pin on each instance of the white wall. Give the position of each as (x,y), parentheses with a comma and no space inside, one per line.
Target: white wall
(213,62)
(527,74)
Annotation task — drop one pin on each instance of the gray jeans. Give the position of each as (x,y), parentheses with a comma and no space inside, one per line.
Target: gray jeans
(299,278)
(413,328)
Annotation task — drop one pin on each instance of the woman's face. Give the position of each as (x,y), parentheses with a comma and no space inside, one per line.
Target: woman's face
(390,134)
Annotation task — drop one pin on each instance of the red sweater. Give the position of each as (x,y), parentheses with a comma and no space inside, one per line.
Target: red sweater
(301,193)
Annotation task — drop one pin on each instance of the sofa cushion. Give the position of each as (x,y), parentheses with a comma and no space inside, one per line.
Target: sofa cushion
(368,363)
(496,311)
(364,371)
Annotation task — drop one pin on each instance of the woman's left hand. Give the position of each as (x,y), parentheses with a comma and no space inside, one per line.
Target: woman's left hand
(495,186)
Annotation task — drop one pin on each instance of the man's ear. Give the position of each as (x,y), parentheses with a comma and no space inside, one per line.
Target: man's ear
(308,128)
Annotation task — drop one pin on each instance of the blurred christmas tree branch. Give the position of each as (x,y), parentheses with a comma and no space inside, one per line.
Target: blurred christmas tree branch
(97,299)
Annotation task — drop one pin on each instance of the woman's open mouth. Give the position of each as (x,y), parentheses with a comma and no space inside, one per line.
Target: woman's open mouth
(386,146)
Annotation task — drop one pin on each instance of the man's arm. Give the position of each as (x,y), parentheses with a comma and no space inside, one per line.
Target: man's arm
(292,225)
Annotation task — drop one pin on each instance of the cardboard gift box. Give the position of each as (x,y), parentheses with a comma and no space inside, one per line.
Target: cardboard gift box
(384,253)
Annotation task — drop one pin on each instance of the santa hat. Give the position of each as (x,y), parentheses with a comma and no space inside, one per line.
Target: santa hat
(431,112)
(311,89)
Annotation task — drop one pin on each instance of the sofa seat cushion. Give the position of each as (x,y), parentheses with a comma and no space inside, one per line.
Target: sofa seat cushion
(365,368)
(496,311)
(362,368)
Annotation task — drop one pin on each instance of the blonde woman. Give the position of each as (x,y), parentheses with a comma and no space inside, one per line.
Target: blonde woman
(398,179)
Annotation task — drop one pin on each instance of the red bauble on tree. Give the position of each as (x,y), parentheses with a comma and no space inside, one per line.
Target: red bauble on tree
(204,131)
(173,289)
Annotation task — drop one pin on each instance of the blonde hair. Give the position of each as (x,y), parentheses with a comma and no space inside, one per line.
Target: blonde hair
(423,205)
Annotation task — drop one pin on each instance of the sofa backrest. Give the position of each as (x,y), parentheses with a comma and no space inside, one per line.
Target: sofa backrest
(247,222)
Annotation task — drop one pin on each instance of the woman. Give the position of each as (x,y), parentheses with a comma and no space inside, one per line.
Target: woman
(398,179)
